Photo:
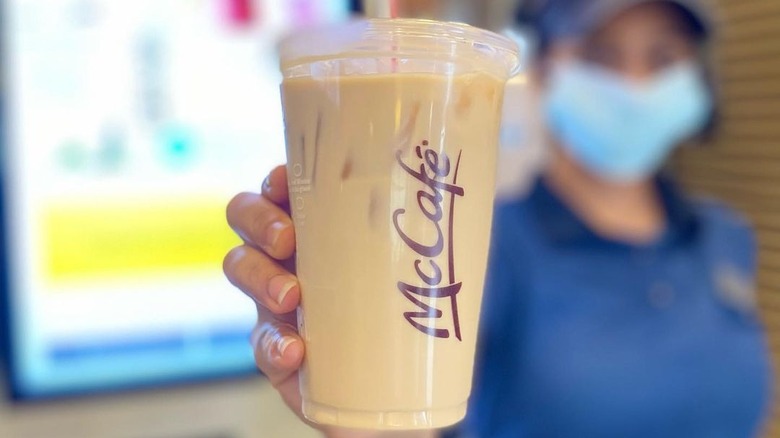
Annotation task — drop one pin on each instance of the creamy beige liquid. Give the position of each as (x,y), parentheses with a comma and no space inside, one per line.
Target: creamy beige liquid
(392,183)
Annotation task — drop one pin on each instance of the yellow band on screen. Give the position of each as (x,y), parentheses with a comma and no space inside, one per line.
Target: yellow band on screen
(129,239)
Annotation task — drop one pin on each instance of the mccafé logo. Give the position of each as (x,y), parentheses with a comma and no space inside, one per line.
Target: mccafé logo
(429,241)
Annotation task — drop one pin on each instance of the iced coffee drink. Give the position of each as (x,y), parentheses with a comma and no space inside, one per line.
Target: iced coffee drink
(391,171)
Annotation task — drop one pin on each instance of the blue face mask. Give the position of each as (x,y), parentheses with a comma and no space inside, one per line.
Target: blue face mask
(620,130)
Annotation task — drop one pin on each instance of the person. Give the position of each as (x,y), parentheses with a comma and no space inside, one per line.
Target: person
(615,305)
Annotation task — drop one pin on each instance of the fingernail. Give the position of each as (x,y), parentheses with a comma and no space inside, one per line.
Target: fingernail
(283,284)
(273,232)
(267,184)
(283,344)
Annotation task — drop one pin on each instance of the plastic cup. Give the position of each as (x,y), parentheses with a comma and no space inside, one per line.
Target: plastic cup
(392,134)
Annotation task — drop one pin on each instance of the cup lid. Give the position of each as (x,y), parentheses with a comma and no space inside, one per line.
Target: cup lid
(403,39)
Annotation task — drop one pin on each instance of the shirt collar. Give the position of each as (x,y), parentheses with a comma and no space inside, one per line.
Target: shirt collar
(562,226)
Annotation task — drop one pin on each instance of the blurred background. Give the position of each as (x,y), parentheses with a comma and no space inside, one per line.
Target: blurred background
(128,125)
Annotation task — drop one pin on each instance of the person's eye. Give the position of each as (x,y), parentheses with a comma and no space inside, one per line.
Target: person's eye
(603,56)
(662,59)
(667,52)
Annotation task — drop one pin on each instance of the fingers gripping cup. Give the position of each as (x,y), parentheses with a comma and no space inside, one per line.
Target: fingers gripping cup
(392,131)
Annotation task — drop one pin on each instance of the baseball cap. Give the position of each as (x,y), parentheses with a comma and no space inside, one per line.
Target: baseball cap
(552,19)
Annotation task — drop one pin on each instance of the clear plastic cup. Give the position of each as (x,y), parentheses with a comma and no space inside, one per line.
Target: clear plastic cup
(392,134)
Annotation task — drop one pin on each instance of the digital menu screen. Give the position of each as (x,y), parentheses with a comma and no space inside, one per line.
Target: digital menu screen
(128,127)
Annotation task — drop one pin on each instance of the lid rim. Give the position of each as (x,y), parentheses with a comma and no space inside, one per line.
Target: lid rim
(358,35)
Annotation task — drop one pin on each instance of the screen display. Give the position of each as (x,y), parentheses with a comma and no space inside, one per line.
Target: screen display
(129,125)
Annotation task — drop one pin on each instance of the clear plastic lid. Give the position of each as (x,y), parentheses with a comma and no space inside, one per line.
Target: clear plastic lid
(385,46)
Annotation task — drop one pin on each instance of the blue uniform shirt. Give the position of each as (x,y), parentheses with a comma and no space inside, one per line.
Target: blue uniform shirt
(586,337)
